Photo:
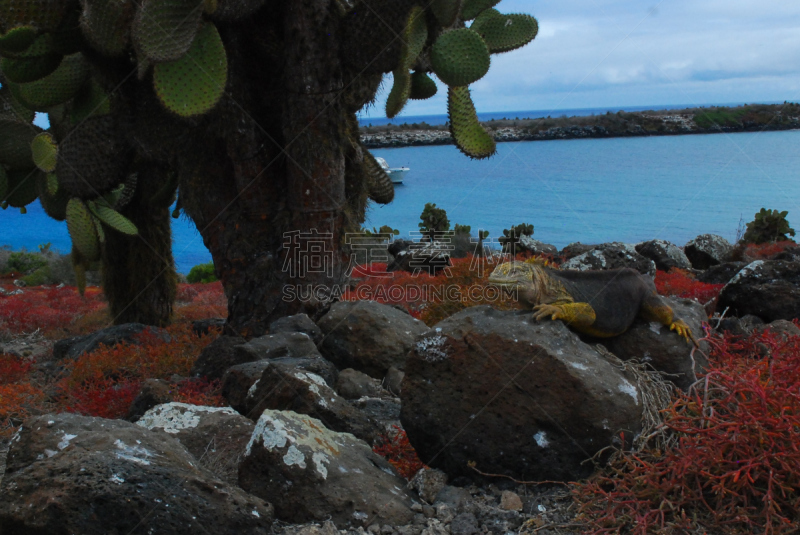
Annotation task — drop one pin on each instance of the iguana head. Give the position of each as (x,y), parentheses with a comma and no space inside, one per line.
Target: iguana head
(530,280)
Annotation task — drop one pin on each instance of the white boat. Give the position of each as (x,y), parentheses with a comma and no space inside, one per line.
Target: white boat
(395,173)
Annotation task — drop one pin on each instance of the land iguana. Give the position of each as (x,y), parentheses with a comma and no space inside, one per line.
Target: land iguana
(596,303)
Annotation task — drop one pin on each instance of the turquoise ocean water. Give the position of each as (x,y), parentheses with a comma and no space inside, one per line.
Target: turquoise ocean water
(593,191)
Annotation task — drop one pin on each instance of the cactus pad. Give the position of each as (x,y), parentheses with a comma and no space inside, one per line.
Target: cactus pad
(470,137)
(45,152)
(15,143)
(41,14)
(113,219)
(55,88)
(414,36)
(422,86)
(163,30)
(24,70)
(503,33)
(21,187)
(52,198)
(81,228)
(473,8)
(381,189)
(106,25)
(194,84)
(460,57)
(90,101)
(401,90)
(11,109)
(92,159)
(446,11)
(17,40)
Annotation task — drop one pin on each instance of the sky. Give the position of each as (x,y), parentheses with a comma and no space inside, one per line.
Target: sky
(617,53)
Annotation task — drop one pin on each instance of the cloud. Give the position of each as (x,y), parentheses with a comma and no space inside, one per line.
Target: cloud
(592,53)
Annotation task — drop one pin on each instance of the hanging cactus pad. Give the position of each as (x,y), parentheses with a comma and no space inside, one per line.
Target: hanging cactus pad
(460,57)
(194,84)
(470,137)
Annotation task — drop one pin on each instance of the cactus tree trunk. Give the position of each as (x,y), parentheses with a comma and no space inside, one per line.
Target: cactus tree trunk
(139,277)
(279,173)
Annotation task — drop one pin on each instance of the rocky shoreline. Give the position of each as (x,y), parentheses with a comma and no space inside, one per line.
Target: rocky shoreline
(294,452)
(622,124)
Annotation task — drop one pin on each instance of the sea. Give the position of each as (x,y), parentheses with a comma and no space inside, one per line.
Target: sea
(584,190)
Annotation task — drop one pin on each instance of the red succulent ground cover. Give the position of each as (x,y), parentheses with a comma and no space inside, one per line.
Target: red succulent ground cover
(680,283)
(105,382)
(764,251)
(396,449)
(735,466)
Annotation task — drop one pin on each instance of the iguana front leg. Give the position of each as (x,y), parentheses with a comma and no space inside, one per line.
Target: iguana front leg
(579,316)
(654,309)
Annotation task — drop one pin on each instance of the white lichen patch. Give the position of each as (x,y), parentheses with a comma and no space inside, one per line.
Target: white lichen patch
(431,348)
(541,439)
(134,454)
(626,388)
(304,436)
(174,417)
(252,390)
(65,440)
(319,463)
(579,366)
(116,479)
(752,267)
(294,457)
(270,432)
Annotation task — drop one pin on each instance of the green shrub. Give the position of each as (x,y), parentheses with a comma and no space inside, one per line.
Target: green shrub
(202,273)
(510,237)
(433,220)
(23,262)
(768,226)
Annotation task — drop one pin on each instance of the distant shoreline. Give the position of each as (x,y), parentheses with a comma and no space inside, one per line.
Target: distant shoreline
(706,120)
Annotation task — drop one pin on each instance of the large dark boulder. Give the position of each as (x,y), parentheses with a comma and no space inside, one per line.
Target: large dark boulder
(72,348)
(311,474)
(576,249)
(279,345)
(666,351)
(666,255)
(216,436)
(299,323)
(287,387)
(420,257)
(527,244)
(238,381)
(720,273)
(707,250)
(217,357)
(520,398)
(769,289)
(368,336)
(611,256)
(74,474)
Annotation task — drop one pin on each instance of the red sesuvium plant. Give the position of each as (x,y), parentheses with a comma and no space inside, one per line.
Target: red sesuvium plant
(735,466)
(52,311)
(396,449)
(105,382)
(680,283)
(765,251)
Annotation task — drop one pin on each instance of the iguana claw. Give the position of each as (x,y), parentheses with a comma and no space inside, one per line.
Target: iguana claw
(542,311)
(683,330)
